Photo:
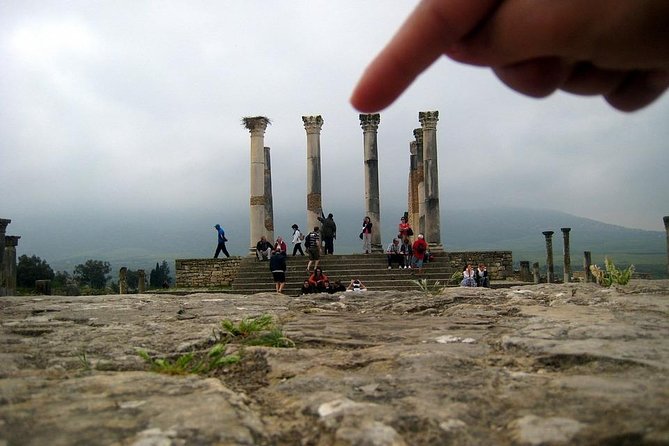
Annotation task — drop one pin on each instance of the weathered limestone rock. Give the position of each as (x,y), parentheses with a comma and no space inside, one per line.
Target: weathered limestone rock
(123,280)
(548,364)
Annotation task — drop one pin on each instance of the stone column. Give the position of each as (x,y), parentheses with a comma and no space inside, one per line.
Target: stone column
(313,126)
(550,272)
(535,272)
(428,121)
(587,261)
(123,280)
(525,275)
(666,228)
(3,227)
(370,125)
(567,257)
(269,206)
(9,264)
(257,126)
(141,281)
(420,173)
(412,204)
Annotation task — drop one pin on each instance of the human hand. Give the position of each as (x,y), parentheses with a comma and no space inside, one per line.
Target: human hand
(617,49)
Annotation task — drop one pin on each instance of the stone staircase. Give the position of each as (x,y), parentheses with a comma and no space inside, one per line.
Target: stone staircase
(255,277)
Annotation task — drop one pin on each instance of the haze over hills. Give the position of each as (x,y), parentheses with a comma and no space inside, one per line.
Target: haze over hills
(143,240)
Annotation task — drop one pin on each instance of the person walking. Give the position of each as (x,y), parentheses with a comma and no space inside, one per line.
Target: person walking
(366,235)
(297,240)
(313,244)
(419,249)
(277,266)
(220,247)
(328,232)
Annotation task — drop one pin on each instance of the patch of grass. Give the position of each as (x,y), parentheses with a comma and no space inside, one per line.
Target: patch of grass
(259,331)
(84,362)
(424,285)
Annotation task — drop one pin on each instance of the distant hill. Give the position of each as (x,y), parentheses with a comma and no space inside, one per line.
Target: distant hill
(142,240)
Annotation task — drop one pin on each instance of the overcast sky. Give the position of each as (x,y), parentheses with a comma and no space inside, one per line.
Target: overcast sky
(124,106)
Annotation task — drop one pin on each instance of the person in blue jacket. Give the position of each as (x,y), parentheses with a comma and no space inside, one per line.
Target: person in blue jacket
(221,242)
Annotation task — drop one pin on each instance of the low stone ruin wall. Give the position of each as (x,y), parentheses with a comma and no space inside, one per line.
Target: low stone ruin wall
(204,273)
(498,263)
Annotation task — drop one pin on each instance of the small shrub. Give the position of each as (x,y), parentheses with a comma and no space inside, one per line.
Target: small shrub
(425,286)
(612,275)
(456,278)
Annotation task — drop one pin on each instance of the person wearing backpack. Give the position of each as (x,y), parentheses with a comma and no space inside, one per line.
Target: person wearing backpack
(298,237)
(313,244)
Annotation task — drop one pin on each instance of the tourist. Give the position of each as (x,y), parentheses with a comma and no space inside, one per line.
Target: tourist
(280,245)
(356,285)
(404,229)
(481,276)
(306,287)
(313,244)
(338,286)
(366,235)
(419,248)
(328,232)
(297,240)
(468,278)
(277,265)
(394,254)
(221,242)
(318,279)
(587,48)
(263,249)
(406,251)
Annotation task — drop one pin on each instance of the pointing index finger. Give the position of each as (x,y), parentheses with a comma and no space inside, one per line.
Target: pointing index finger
(430,29)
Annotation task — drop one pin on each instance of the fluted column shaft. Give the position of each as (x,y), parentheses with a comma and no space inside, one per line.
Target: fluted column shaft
(567,256)
(412,202)
(269,201)
(9,264)
(141,287)
(428,121)
(313,126)
(257,127)
(550,272)
(370,125)
(420,182)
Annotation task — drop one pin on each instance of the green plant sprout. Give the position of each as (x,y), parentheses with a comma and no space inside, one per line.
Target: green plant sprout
(612,275)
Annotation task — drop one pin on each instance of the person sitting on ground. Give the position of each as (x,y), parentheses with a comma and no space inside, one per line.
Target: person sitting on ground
(338,286)
(419,249)
(468,278)
(394,254)
(280,245)
(327,287)
(318,279)
(356,285)
(404,229)
(313,244)
(481,276)
(277,265)
(406,251)
(306,288)
(263,249)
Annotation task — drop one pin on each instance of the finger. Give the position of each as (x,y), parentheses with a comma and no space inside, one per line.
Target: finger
(587,80)
(431,28)
(638,90)
(537,78)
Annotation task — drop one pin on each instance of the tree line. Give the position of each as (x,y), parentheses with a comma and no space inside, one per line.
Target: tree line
(91,276)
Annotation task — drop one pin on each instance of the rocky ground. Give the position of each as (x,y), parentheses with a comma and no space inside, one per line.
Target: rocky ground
(572,364)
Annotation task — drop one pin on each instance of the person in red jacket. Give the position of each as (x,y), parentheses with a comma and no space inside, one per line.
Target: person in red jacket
(419,249)
(318,279)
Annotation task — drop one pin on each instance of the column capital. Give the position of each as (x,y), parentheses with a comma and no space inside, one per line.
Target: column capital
(11,240)
(256,124)
(3,224)
(548,234)
(418,135)
(428,120)
(313,124)
(370,121)
(565,231)
(666,222)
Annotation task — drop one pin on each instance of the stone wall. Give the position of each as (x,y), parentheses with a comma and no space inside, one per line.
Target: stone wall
(203,273)
(498,263)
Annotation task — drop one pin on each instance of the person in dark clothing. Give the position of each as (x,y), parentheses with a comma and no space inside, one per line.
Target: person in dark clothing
(221,242)
(328,232)
(277,265)
(481,276)
(307,288)
(263,249)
